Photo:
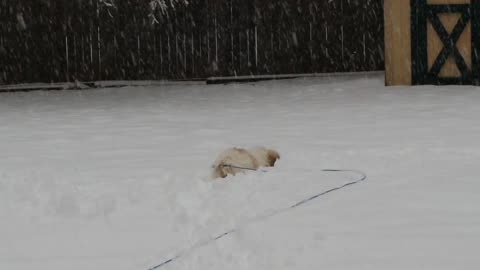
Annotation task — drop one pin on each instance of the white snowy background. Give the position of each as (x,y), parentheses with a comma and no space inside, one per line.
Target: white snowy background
(118,178)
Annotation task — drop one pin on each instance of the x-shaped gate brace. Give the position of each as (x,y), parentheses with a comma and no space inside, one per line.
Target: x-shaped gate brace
(449,40)
(421,14)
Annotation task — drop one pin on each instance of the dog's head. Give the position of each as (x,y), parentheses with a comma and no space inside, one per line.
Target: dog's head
(272,157)
(265,157)
(218,171)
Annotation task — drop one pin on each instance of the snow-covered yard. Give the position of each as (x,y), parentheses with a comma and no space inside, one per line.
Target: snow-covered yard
(118,178)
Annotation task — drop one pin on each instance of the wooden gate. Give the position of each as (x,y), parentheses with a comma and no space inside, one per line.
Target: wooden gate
(441,46)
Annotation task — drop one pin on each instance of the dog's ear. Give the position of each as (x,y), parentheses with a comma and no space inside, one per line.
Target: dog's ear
(272,156)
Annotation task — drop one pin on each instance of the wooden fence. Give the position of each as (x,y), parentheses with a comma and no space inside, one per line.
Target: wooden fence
(64,40)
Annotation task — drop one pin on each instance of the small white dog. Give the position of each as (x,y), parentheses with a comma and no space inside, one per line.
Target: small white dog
(236,160)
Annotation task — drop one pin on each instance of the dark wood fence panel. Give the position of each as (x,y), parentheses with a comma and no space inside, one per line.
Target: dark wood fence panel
(65,40)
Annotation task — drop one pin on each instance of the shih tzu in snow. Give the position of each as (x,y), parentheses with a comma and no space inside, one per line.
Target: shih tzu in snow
(236,160)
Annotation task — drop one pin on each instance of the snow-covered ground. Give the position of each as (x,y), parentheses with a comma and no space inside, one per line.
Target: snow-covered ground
(118,178)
